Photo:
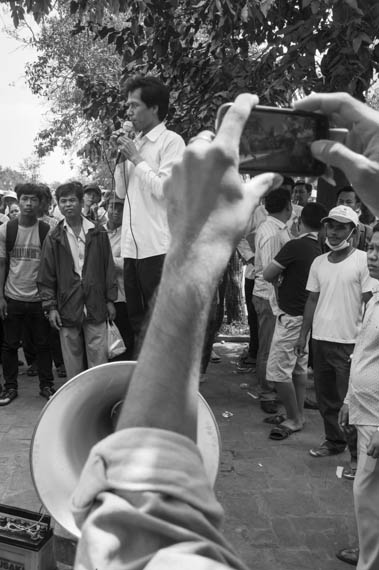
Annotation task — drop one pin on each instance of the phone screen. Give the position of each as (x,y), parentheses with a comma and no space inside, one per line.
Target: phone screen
(278,140)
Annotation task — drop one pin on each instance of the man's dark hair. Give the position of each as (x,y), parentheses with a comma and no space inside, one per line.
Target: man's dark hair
(312,214)
(69,188)
(277,200)
(46,192)
(30,189)
(153,92)
(348,189)
(375,229)
(308,186)
(288,181)
(92,187)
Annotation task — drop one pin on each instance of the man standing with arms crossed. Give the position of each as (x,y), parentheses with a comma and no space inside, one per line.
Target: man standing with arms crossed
(146,163)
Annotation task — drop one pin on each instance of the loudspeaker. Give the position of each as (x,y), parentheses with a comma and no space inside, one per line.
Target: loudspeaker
(81,413)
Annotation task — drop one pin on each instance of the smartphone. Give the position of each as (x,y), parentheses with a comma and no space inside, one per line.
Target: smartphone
(278,140)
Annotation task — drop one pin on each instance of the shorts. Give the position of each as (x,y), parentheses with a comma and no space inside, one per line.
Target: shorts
(282,362)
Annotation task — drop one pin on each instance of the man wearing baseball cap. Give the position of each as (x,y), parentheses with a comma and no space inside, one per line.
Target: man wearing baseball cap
(338,284)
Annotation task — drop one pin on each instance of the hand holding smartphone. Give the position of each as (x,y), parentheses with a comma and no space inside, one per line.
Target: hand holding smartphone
(278,140)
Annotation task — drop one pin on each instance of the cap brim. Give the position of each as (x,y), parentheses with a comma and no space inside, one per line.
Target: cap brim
(341,219)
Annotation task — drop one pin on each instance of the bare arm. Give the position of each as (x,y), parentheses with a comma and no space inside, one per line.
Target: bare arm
(272,272)
(309,311)
(208,211)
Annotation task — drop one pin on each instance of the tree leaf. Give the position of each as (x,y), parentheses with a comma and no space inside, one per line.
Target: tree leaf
(357,44)
(354,6)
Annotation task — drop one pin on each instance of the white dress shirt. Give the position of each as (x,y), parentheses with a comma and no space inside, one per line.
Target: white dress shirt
(145,231)
(77,243)
(363,394)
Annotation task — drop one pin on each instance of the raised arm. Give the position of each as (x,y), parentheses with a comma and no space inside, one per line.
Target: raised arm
(209,210)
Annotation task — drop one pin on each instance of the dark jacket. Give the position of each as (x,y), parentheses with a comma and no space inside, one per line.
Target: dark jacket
(61,288)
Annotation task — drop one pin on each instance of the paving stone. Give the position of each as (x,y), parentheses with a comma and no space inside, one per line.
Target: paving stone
(279,503)
(286,533)
(284,510)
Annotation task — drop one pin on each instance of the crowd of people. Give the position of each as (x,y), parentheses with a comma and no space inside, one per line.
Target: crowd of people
(168,230)
(150,503)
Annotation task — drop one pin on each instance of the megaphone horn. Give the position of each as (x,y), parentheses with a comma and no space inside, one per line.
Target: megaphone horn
(81,413)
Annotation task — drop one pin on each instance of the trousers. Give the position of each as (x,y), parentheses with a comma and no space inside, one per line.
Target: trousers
(366,502)
(83,347)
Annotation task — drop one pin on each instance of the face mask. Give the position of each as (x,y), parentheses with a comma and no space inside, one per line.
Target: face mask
(343,245)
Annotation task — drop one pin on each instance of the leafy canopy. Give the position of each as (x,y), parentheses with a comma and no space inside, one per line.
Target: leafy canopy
(206,51)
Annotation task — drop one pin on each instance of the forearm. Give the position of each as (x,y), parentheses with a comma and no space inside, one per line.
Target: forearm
(309,312)
(165,396)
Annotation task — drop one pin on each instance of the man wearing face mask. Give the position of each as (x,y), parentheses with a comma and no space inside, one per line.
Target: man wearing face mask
(338,285)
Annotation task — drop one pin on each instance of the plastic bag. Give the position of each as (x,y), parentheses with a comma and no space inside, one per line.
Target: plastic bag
(116,345)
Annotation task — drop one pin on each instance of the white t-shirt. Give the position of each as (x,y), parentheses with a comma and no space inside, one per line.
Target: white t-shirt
(24,262)
(338,315)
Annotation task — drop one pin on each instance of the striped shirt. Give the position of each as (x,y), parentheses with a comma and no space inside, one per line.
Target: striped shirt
(363,394)
(269,240)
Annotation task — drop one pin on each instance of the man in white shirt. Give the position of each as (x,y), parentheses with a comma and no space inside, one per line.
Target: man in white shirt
(338,285)
(361,408)
(271,235)
(146,163)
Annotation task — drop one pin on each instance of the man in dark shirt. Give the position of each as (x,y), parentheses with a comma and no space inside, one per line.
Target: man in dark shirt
(289,270)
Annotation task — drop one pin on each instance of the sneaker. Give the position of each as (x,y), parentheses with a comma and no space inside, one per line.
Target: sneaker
(215,358)
(7,396)
(32,370)
(324,450)
(310,404)
(349,473)
(47,392)
(349,555)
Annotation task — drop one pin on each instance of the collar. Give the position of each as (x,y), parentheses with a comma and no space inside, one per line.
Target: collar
(86,224)
(375,291)
(311,235)
(279,223)
(154,134)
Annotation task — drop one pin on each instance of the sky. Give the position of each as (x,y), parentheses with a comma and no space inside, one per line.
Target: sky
(22,114)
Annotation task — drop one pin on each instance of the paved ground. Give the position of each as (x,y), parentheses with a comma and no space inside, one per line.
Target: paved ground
(284,509)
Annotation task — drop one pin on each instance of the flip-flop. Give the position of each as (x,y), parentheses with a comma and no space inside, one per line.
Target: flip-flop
(275,420)
(280,432)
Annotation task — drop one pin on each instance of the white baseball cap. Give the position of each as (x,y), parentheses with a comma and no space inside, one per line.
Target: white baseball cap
(342,214)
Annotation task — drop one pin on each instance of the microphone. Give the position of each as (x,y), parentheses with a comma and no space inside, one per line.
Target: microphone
(128,131)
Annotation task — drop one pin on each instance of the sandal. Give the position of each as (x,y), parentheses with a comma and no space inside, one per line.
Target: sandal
(275,420)
(279,433)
